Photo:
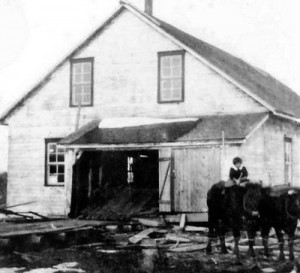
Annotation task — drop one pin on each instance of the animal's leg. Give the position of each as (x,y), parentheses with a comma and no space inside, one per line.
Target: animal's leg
(251,239)
(291,247)
(279,235)
(236,234)
(265,238)
(222,232)
(211,229)
(208,247)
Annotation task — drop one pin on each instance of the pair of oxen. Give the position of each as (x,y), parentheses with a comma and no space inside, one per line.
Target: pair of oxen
(255,208)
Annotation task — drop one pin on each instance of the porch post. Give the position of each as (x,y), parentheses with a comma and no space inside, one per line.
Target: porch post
(70,157)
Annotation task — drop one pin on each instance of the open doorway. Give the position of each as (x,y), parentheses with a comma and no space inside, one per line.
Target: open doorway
(115,184)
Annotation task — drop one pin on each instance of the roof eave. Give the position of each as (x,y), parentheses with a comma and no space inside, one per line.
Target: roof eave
(285,116)
(153,145)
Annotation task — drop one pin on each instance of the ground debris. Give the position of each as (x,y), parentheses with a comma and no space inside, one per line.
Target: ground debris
(60,268)
(140,236)
(268,270)
(12,269)
(177,238)
(150,222)
(27,257)
(195,229)
(188,248)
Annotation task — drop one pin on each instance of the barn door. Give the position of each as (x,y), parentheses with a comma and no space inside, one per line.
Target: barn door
(165,180)
(196,170)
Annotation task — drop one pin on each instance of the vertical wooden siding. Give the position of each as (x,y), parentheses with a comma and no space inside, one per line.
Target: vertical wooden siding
(196,170)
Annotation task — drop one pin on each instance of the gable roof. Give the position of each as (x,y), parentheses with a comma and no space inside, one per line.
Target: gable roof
(261,86)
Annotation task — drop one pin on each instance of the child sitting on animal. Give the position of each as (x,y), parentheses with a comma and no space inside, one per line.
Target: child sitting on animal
(238,173)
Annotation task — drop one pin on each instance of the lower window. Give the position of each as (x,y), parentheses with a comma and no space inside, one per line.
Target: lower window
(55,163)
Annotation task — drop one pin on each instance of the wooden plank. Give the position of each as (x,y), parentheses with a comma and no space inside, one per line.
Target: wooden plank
(150,222)
(188,248)
(182,220)
(13,229)
(177,238)
(140,236)
(191,217)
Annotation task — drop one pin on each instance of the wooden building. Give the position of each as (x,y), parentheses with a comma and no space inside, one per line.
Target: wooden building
(158,108)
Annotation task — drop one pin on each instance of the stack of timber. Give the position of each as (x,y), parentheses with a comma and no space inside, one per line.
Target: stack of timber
(124,205)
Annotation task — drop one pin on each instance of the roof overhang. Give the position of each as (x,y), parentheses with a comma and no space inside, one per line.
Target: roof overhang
(148,133)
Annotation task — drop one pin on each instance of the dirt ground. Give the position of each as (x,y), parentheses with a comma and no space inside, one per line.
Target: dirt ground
(97,252)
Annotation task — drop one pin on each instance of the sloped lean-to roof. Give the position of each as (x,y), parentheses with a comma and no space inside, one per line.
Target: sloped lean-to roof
(258,84)
(206,129)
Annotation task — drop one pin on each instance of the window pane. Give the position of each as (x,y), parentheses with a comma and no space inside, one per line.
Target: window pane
(166,72)
(52,179)
(176,84)
(166,84)
(86,77)
(61,168)
(87,67)
(52,169)
(61,150)
(165,61)
(61,178)
(86,88)
(176,71)
(166,95)
(61,158)
(52,158)
(77,68)
(86,99)
(176,94)
(77,78)
(52,148)
(176,61)
(77,98)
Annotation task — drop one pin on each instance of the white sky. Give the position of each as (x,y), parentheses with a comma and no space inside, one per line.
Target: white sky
(37,34)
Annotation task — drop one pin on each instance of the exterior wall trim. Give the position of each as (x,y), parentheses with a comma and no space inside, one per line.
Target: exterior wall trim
(152,145)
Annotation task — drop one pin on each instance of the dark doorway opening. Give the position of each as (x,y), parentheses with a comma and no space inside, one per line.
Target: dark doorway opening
(110,185)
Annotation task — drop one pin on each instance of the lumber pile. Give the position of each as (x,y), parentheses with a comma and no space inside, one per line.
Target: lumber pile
(43,227)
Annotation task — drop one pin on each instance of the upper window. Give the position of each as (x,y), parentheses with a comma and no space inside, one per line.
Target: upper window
(55,163)
(171,76)
(81,82)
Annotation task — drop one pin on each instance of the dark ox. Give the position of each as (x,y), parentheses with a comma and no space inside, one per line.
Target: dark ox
(229,208)
(280,208)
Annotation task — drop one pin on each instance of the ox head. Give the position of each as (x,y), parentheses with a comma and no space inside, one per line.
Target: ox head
(252,198)
(293,203)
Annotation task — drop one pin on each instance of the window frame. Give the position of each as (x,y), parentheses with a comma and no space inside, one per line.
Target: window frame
(288,140)
(46,183)
(81,60)
(171,53)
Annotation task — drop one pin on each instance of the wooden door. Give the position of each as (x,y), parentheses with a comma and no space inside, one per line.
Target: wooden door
(165,180)
(195,171)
